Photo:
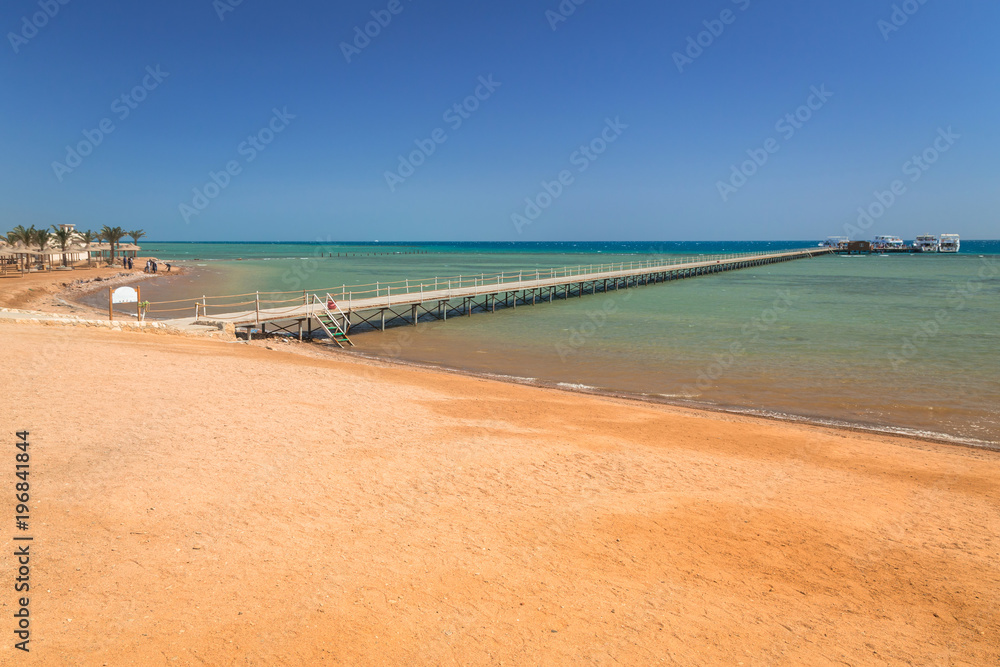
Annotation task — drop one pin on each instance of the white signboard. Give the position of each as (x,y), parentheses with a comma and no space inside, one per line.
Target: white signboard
(125,295)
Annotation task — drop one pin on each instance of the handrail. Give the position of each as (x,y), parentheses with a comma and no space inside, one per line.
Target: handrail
(448,283)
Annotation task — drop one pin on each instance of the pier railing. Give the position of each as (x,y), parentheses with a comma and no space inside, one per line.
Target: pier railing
(295,299)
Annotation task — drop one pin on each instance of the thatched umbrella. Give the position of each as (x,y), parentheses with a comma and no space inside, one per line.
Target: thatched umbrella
(99,247)
(80,249)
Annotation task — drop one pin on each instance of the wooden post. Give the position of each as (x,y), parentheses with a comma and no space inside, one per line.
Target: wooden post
(138,303)
(111,309)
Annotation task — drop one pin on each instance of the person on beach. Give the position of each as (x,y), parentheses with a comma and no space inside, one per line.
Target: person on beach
(148,262)
(154,266)
(168,266)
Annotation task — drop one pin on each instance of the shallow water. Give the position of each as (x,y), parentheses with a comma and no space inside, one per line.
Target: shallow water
(898,342)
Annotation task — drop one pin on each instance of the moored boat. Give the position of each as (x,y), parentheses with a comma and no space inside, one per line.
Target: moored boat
(926,243)
(887,243)
(949,243)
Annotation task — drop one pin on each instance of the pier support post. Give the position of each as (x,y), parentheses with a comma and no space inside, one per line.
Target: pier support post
(413,314)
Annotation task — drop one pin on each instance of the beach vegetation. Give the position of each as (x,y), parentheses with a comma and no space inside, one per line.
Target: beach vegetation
(136,234)
(63,236)
(87,237)
(22,235)
(41,237)
(112,235)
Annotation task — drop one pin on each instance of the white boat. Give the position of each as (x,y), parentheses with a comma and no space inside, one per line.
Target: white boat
(926,243)
(887,243)
(949,243)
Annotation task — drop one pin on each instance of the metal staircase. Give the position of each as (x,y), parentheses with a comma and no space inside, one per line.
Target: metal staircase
(327,318)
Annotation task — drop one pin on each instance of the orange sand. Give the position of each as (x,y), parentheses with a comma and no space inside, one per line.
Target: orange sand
(201,502)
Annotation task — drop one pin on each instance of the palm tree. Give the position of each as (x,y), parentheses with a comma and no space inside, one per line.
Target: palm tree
(112,235)
(64,236)
(21,235)
(41,239)
(136,234)
(88,237)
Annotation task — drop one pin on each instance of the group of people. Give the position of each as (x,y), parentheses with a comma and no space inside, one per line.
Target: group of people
(152,266)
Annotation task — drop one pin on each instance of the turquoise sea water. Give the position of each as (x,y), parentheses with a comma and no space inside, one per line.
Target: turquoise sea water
(900,342)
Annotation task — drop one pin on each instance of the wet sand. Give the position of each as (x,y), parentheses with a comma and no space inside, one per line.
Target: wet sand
(201,502)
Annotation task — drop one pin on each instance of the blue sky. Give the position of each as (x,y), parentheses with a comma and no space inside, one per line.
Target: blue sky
(330,123)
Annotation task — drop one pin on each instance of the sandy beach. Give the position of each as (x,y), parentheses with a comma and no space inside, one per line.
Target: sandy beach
(57,291)
(206,502)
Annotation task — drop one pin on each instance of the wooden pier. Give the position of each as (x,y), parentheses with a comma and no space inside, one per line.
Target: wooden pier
(338,310)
